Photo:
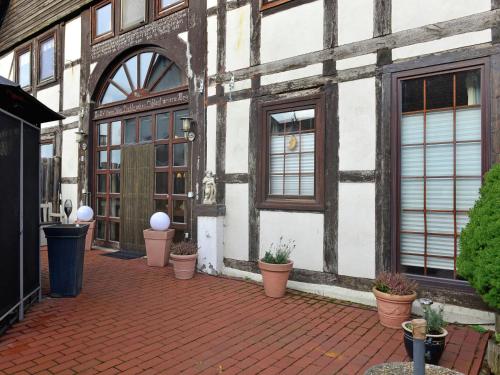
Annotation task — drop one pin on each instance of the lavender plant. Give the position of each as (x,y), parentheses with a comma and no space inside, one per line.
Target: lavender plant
(279,253)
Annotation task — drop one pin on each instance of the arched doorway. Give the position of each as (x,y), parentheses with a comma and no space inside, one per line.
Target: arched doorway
(141,159)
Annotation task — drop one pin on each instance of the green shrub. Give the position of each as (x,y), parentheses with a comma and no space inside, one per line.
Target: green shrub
(479,259)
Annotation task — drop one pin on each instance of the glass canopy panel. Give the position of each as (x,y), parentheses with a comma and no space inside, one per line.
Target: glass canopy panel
(132,70)
(120,79)
(172,79)
(145,59)
(157,70)
(112,94)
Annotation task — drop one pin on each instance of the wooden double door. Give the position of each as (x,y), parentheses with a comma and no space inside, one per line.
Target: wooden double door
(142,166)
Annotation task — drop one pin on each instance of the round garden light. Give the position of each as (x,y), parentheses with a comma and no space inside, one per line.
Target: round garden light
(85,213)
(159,221)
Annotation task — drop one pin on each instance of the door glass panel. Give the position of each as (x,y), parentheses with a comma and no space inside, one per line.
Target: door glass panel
(178,131)
(162,125)
(115,159)
(114,231)
(114,207)
(101,206)
(101,183)
(121,80)
(115,183)
(161,205)
(180,150)
(103,160)
(116,133)
(180,183)
(145,59)
(132,70)
(101,230)
(145,129)
(130,131)
(179,211)
(161,183)
(103,134)
(112,94)
(161,155)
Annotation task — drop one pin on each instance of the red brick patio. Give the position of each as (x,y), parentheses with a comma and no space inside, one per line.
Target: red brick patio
(132,319)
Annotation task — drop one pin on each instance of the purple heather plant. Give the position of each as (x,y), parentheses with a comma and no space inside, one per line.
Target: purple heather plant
(395,284)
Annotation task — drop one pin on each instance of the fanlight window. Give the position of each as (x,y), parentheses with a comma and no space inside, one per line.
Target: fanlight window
(141,75)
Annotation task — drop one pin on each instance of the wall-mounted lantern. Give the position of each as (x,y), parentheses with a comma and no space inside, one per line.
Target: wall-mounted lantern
(81,137)
(187,128)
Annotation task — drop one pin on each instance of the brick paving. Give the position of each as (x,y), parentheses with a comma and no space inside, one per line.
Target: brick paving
(132,319)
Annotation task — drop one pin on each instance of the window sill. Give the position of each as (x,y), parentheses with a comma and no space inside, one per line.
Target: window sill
(429,282)
(291,204)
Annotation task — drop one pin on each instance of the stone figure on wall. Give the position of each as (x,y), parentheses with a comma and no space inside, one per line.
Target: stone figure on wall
(209,189)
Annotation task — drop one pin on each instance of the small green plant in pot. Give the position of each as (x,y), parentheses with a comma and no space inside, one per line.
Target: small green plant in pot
(275,267)
(435,340)
(479,258)
(395,294)
(184,255)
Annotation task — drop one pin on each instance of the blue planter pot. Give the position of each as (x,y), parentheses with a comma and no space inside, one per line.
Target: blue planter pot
(434,345)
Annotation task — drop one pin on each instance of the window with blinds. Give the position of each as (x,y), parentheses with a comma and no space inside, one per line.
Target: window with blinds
(440,165)
(291,157)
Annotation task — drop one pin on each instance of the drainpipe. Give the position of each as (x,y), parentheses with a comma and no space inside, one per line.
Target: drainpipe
(419,334)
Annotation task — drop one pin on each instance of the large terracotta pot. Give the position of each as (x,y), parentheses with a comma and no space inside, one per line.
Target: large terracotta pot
(184,266)
(393,310)
(90,233)
(275,277)
(434,344)
(158,243)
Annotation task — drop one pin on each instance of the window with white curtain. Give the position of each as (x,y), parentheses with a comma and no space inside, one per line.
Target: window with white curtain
(133,13)
(290,171)
(440,136)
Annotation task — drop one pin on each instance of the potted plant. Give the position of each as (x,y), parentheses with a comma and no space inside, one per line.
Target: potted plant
(395,295)
(275,268)
(435,340)
(479,258)
(184,256)
(84,215)
(158,240)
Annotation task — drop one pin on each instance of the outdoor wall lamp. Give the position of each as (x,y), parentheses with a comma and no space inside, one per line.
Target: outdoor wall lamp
(187,124)
(81,136)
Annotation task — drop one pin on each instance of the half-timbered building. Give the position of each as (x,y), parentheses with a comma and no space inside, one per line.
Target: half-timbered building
(360,129)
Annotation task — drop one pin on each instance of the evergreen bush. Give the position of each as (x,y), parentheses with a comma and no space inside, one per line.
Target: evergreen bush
(479,259)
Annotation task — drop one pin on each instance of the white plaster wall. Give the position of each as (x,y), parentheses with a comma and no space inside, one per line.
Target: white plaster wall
(92,67)
(211,45)
(303,227)
(70,191)
(211,3)
(356,230)
(409,14)
(355,20)
(354,62)
(357,124)
(211,137)
(183,36)
(238,85)
(210,243)
(50,97)
(289,75)
(238,38)
(212,90)
(236,222)
(70,120)
(7,66)
(237,127)
(452,42)
(69,157)
(73,40)
(283,33)
(71,87)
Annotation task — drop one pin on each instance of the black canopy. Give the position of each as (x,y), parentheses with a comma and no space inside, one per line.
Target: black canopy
(18,102)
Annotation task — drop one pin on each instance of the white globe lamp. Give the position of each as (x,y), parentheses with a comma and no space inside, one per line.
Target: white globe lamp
(159,221)
(85,213)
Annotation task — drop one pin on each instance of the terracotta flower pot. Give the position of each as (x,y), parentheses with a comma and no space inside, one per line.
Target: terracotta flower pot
(158,243)
(90,233)
(393,310)
(184,266)
(275,277)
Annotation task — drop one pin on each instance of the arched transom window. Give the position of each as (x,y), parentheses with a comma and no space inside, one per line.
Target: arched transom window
(141,75)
